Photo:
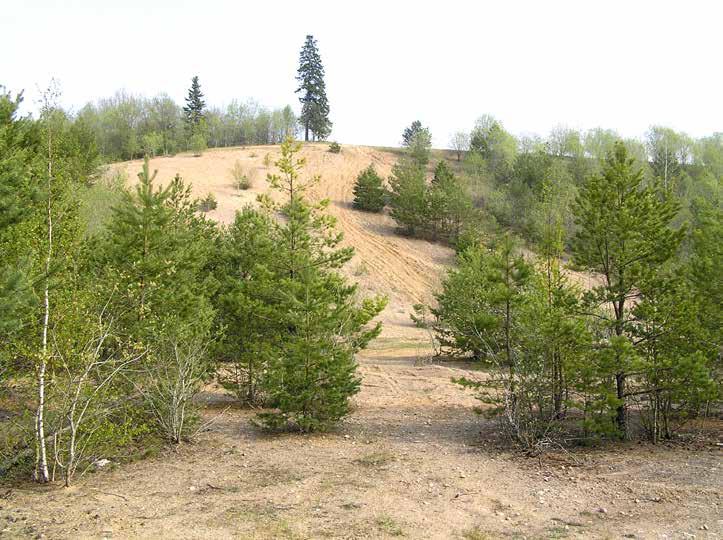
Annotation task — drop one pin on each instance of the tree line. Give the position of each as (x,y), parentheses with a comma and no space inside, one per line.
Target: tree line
(125,126)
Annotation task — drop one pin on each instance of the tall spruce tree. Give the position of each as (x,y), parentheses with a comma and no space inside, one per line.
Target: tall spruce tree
(312,89)
(195,107)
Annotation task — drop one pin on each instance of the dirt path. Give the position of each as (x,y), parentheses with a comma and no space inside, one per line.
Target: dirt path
(410,461)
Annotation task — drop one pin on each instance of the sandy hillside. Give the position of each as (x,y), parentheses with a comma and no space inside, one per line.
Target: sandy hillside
(407,270)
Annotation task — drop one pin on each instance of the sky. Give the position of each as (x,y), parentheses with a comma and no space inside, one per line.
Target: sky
(533,65)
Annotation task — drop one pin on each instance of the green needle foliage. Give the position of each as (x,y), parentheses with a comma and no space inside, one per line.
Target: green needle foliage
(625,235)
(312,92)
(311,374)
(369,192)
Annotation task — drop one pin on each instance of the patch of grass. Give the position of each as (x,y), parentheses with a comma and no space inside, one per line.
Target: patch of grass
(557,532)
(475,533)
(361,269)
(262,520)
(375,459)
(97,201)
(389,525)
(273,476)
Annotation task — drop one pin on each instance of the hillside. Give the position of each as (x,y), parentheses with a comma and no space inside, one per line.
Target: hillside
(407,270)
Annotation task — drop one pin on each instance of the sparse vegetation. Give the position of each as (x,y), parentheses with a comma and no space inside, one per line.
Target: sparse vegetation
(335,147)
(208,203)
(241,178)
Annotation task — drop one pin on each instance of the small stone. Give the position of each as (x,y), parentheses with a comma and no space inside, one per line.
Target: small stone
(704,527)
(100,463)
(602,510)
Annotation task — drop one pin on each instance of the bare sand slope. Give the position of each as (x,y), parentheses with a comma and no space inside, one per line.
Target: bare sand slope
(407,270)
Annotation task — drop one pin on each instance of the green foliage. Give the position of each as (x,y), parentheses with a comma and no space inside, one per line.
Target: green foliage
(195,106)
(248,307)
(334,148)
(312,373)
(241,179)
(17,202)
(369,192)
(407,197)
(411,132)
(441,210)
(127,127)
(198,143)
(495,145)
(624,234)
(208,203)
(312,89)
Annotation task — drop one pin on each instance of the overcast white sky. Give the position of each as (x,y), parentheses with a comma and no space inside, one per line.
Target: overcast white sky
(532,64)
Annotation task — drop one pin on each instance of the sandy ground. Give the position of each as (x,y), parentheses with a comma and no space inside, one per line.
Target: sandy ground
(412,460)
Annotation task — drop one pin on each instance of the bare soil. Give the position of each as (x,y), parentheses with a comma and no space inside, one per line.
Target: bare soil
(412,460)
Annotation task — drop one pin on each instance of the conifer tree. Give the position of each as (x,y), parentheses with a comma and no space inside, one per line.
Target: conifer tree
(312,89)
(624,234)
(153,253)
(195,106)
(408,197)
(411,132)
(312,373)
(369,192)
(16,197)
(247,302)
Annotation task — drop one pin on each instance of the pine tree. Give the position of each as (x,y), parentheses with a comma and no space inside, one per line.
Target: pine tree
(153,254)
(442,173)
(312,89)
(369,192)
(312,373)
(408,197)
(195,106)
(17,147)
(247,302)
(624,233)
(411,132)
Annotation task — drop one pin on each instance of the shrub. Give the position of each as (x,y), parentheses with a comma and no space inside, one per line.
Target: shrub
(198,144)
(369,193)
(208,203)
(241,179)
(335,148)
